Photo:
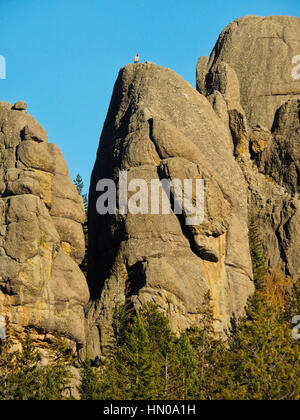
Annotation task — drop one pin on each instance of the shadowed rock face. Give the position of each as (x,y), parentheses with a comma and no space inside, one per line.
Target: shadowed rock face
(41,237)
(159,127)
(252,70)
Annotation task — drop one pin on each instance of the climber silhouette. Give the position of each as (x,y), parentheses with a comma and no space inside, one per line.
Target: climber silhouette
(136,59)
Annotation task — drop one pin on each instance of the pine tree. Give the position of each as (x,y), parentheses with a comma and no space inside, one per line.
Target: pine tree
(187,374)
(163,348)
(23,381)
(91,384)
(7,362)
(260,269)
(78,182)
(122,319)
(264,358)
(22,377)
(131,372)
(209,352)
(261,360)
(56,374)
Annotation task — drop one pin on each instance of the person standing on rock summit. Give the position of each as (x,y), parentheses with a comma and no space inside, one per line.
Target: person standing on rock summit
(136,59)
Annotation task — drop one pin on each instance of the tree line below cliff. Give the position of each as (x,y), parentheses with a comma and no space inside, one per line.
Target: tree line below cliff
(258,359)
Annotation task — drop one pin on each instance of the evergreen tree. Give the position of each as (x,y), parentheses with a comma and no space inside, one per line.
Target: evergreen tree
(260,269)
(91,384)
(23,381)
(78,182)
(122,319)
(261,360)
(22,377)
(7,363)
(187,379)
(292,305)
(264,359)
(56,374)
(209,352)
(163,348)
(131,372)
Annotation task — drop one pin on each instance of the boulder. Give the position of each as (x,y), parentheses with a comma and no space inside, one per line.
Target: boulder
(20,106)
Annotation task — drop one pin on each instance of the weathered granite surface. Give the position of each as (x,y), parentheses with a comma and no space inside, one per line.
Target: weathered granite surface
(41,237)
(240,133)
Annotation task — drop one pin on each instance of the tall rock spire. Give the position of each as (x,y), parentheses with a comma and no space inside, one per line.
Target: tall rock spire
(41,237)
(158,127)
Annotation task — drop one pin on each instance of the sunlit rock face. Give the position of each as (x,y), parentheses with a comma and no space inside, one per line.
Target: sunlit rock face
(262,53)
(254,71)
(41,237)
(158,127)
(239,132)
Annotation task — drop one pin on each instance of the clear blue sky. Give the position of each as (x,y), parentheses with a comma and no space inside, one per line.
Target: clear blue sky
(63,56)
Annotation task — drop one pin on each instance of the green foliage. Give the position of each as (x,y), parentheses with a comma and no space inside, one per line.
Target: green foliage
(122,319)
(263,358)
(131,372)
(7,365)
(260,360)
(163,349)
(20,377)
(78,182)
(292,306)
(23,377)
(259,265)
(90,385)
(56,374)
(150,362)
(187,380)
(210,353)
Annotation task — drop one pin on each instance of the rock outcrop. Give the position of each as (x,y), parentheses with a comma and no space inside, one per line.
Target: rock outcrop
(260,52)
(240,133)
(41,237)
(252,67)
(159,127)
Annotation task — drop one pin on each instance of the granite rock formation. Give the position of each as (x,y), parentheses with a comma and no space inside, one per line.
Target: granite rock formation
(258,54)
(41,237)
(252,66)
(240,133)
(159,127)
